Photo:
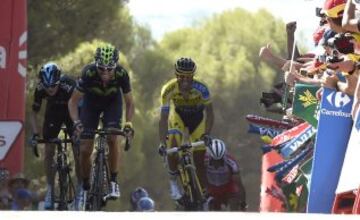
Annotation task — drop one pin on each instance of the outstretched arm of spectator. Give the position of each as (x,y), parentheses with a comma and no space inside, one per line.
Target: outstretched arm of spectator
(290,33)
(266,55)
(349,22)
(349,86)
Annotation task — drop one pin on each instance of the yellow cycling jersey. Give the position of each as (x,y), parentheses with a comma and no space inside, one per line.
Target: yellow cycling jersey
(199,97)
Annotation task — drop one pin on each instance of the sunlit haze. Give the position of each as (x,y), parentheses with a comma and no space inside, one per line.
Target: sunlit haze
(168,15)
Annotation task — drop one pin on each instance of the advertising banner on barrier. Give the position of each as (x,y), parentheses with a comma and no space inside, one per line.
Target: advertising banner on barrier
(349,179)
(331,141)
(13,56)
(305,103)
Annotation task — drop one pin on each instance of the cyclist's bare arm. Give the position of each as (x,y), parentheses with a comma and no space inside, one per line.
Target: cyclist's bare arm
(130,108)
(163,126)
(209,118)
(73,104)
(350,21)
(33,120)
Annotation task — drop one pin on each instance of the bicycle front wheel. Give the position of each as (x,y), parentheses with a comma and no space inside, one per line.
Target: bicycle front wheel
(97,184)
(197,197)
(66,191)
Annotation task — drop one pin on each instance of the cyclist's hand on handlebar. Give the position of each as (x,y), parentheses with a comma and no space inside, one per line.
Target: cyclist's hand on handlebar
(34,139)
(129,130)
(33,143)
(78,127)
(162,149)
(207,139)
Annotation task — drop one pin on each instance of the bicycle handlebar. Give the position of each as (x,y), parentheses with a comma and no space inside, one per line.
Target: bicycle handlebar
(185,147)
(56,141)
(115,131)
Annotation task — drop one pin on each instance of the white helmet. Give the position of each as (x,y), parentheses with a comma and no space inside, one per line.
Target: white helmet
(217,149)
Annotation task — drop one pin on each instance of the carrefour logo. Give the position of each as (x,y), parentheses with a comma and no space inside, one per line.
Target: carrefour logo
(338,99)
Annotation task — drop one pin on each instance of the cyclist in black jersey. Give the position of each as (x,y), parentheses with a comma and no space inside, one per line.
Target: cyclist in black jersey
(101,87)
(57,90)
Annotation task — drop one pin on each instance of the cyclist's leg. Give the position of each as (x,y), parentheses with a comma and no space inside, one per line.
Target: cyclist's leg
(89,117)
(112,119)
(75,147)
(51,129)
(175,135)
(197,129)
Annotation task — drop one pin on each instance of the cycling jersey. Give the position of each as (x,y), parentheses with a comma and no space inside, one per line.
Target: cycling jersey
(222,175)
(199,96)
(60,99)
(91,83)
(101,99)
(56,112)
(186,113)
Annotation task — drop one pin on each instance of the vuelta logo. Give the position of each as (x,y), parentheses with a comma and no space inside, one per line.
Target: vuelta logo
(22,54)
(338,99)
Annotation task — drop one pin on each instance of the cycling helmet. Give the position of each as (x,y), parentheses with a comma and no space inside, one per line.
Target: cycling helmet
(185,66)
(106,55)
(136,195)
(217,149)
(334,8)
(145,204)
(50,74)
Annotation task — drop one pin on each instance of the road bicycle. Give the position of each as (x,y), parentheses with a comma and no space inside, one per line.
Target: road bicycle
(64,189)
(193,198)
(100,174)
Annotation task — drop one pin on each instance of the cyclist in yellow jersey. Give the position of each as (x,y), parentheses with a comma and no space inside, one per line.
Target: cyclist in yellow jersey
(185,106)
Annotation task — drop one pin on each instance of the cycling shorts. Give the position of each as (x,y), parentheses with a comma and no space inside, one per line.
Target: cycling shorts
(93,106)
(55,116)
(179,122)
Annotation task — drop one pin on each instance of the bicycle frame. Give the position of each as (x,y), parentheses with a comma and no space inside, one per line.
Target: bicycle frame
(193,197)
(100,183)
(62,167)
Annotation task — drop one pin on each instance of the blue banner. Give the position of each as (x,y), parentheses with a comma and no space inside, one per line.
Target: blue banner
(331,141)
(271,132)
(294,144)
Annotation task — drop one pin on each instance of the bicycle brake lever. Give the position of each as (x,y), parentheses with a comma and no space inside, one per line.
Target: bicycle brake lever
(127,144)
(35,150)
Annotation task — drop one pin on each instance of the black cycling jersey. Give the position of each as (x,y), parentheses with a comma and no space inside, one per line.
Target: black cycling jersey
(60,99)
(90,82)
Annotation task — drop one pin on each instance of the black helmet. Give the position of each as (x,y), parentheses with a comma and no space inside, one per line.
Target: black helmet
(136,195)
(50,74)
(106,55)
(185,66)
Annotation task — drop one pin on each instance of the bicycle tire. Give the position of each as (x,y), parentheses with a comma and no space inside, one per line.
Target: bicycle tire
(196,192)
(63,182)
(96,192)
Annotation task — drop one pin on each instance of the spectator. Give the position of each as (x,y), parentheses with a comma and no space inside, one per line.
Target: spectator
(5,196)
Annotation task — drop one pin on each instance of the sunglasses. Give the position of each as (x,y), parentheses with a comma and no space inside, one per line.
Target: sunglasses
(52,85)
(184,76)
(105,68)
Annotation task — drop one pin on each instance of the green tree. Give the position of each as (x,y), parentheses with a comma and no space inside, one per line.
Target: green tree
(56,27)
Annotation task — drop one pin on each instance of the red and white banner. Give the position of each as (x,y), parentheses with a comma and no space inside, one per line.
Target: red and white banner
(13,55)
